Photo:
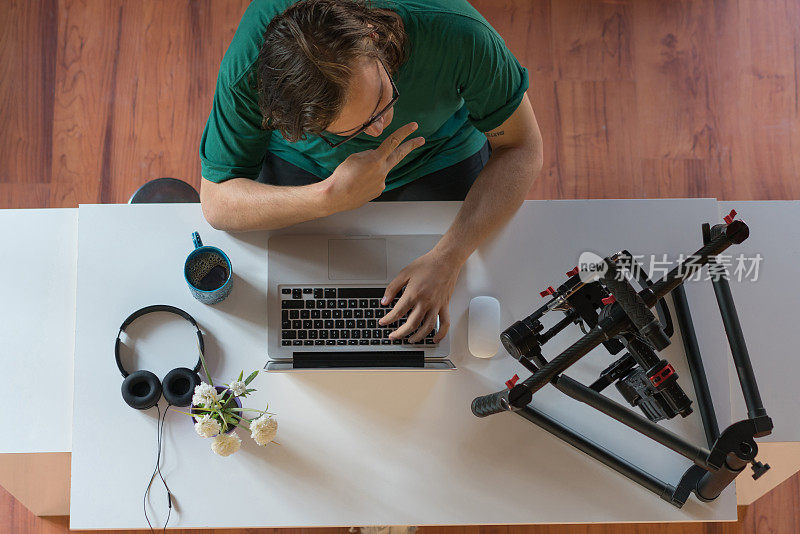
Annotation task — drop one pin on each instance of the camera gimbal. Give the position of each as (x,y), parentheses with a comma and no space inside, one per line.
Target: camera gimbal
(611,312)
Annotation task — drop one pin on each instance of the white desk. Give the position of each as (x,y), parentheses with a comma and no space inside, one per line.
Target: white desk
(367,447)
(37,323)
(37,335)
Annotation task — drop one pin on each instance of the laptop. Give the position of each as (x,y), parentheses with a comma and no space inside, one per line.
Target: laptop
(323,303)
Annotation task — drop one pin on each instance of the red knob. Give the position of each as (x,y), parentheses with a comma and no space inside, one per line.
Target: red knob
(573,272)
(512,382)
(609,300)
(729,217)
(548,291)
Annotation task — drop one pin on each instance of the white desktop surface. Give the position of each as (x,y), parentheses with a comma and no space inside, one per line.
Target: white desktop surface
(37,327)
(359,447)
(769,311)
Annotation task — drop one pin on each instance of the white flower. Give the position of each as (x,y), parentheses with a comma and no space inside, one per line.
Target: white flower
(238,388)
(226,444)
(207,427)
(204,394)
(263,429)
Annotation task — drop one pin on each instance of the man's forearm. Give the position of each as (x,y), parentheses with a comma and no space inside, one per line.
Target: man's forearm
(241,204)
(494,197)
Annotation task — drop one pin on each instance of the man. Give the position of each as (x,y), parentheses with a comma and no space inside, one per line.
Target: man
(315,104)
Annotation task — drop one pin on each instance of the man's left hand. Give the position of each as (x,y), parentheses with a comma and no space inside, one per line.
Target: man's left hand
(429,281)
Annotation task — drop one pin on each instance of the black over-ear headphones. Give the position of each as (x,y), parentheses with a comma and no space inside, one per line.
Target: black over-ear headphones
(142,389)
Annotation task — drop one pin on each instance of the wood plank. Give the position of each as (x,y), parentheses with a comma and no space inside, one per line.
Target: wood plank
(629,528)
(756,69)
(24,195)
(27,70)
(676,178)
(593,41)
(674,49)
(597,140)
(88,40)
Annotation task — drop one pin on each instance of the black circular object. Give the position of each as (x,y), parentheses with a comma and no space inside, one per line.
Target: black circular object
(519,338)
(179,386)
(169,190)
(737,232)
(141,390)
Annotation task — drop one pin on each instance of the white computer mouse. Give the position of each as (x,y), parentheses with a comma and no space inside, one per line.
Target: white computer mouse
(484,327)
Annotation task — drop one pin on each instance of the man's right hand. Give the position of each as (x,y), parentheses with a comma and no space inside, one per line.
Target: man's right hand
(362,176)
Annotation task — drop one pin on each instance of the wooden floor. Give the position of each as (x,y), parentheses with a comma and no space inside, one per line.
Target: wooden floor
(635,98)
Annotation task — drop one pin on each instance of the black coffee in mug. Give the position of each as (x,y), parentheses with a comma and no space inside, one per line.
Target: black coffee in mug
(208,272)
(214,279)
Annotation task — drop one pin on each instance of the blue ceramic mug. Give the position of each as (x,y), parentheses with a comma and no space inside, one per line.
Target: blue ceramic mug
(208,272)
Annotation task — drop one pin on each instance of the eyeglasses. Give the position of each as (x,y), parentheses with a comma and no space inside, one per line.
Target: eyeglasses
(371,121)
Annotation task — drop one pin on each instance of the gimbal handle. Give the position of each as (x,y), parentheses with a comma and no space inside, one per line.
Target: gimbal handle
(634,306)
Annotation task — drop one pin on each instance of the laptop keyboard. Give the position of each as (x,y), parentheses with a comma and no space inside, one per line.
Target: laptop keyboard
(338,316)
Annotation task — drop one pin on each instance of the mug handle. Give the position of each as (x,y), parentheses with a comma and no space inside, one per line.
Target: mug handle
(196,240)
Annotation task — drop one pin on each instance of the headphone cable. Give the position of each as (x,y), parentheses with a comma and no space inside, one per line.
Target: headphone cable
(159,434)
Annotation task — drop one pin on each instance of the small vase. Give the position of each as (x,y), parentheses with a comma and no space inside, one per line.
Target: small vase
(230,400)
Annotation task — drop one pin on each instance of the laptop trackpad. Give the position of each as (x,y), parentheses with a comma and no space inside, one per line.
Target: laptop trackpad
(357,259)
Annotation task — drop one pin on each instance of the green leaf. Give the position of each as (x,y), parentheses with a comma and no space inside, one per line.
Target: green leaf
(203,362)
(251,377)
(218,415)
(241,373)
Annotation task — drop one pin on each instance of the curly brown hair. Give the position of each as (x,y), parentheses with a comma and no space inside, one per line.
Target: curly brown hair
(304,64)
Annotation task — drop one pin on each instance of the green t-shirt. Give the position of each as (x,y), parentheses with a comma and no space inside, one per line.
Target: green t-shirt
(459,80)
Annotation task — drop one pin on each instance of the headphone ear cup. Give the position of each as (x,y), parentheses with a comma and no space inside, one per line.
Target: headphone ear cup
(141,390)
(179,386)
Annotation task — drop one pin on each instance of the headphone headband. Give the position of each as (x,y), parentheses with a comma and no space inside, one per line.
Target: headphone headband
(157,308)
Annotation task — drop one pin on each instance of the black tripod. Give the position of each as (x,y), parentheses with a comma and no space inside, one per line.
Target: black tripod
(611,312)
